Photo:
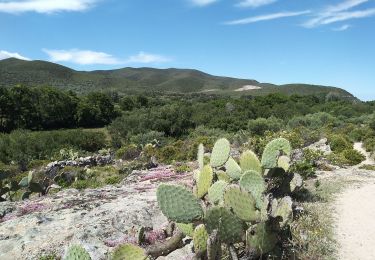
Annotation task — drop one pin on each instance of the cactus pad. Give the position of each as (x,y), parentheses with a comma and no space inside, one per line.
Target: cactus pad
(200,239)
(223,176)
(216,192)
(283,208)
(233,169)
(261,238)
(187,229)
(178,204)
(204,181)
(241,202)
(254,183)
(296,182)
(200,156)
(229,226)
(129,252)
(249,161)
(272,152)
(77,252)
(284,162)
(220,153)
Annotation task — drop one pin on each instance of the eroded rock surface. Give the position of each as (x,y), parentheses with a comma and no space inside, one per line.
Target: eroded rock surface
(95,218)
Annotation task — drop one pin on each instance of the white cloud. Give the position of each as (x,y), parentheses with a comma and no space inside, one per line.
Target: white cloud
(82,57)
(339,12)
(266,17)
(342,28)
(255,3)
(87,57)
(203,2)
(6,55)
(45,6)
(143,57)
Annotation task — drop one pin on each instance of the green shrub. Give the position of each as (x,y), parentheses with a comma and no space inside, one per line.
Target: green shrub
(182,168)
(313,121)
(260,125)
(24,146)
(353,157)
(339,143)
(128,152)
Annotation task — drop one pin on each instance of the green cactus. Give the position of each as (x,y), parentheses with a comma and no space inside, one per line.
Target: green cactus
(220,153)
(230,228)
(178,204)
(296,182)
(233,169)
(249,162)
(283,208)
(241,202)
(129,252)
(261,238)
(77,252)
(200,156)
(204,181)
(252,182)
(284,162)
(216,192)
(187,229)
(223,176)
(273,151)
(200,239)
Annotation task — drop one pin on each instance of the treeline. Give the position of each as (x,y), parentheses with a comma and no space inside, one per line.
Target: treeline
(44,108)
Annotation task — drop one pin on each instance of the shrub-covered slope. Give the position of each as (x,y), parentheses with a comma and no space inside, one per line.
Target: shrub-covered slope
(35,73)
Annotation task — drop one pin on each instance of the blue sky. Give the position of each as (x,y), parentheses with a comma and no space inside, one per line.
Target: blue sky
(276,41)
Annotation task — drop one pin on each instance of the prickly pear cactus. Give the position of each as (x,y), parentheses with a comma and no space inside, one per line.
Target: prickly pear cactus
(261,239)
(241,202)
(204,181)
(249,162)
(254,183)
(200,239)
(129,252)
(187,229)
(247,202)
(222,176)
(230,227)
(284,210)
(284,162)
(233,169)
(220,153)
(273,151)
(200,156)
(77,252)
(178,204)
(216,192)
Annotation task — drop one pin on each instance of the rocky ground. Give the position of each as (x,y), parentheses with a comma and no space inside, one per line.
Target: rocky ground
(99,219)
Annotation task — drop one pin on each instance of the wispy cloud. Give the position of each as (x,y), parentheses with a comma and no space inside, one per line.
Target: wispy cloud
(45,6)
(202,2)
(338,13)
(342,28)
(6,55)
(143,57)
(266,17)
(255,3)
(88,57)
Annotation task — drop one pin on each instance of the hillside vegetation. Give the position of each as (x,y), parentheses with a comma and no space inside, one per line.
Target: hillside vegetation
(129,80)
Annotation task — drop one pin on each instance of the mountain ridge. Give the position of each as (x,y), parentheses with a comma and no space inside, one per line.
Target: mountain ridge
(171,80)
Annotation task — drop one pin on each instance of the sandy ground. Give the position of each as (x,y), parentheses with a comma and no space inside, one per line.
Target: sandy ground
(355,214)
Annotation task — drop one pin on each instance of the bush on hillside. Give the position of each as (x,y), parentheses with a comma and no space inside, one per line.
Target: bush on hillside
(260,125)
(339,143)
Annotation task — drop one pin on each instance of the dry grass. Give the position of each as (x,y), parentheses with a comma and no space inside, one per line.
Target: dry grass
(313,231)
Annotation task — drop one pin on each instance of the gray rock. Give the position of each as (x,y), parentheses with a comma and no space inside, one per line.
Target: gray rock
(322,146)
(92,217)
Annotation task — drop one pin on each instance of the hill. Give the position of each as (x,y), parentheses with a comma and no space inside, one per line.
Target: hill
(36,73)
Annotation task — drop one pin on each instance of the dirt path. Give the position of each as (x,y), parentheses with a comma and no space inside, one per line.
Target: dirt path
(355,214)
